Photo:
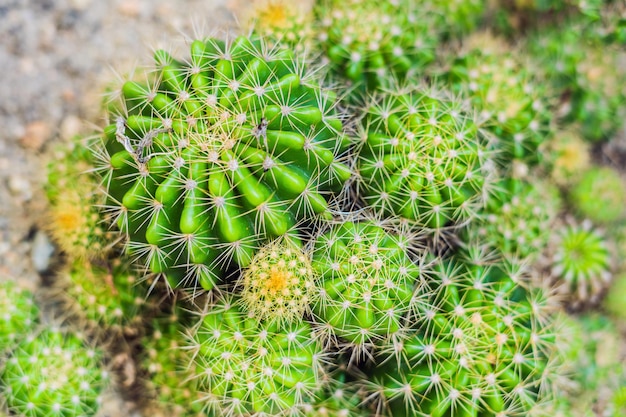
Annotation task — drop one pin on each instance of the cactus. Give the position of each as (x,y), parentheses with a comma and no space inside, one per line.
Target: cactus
(104,297)
(249,367)
(569,157)
(510,100)
(614,301)
(367,283)
(518,218)
(422,159)
(581,261)
(215,155)
(170,380)
(339,399)
(481,344)
(18,314)
(600,195)
(53,374)
(74,220)
(278,284)
(370,42)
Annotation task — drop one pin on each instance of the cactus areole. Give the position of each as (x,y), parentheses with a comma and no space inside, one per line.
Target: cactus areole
(219,153)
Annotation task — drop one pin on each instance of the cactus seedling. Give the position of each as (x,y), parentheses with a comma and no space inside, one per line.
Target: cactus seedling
(367,282)
(422,159)
(218,154)
(482,345)
(279,283)
(258,368)
(600,195)
(18,314)
(581,260)
(52,374)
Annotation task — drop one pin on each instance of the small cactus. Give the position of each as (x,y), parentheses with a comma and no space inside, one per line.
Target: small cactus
(52,374)
(480,345)
(249,367)
(367,281)
(217,154)
(599,195)
(569,157)
(18,314)
(581,261)
(279,283)
(614,301)
(423,159)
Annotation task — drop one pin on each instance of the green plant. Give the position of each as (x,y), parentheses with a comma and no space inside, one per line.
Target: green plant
(249,367)
(367,280)
(599,195)
(569,156)
(480,344)
(217,154)
(18,314)
(422,158)
(53,374)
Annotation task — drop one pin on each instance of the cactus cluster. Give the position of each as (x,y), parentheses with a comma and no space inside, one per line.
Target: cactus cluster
(599,195)
(18,313)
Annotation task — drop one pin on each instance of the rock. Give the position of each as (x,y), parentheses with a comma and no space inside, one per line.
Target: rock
(41,252)
(70,126)
(20,187)
(35,135)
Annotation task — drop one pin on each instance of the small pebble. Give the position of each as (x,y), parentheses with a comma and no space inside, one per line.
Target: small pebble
(42,250)
(70,126)
(20,187)
(36,134)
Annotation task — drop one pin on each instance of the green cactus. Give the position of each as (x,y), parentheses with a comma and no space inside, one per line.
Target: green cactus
(581,261)
(367,283)
(480,344)
(599,195)
(104,297)
(370,42)
(569,156)
(18,314)
(422,159)
(249,367)
(52,374)
(518,218)
(339,399)
(217,154)
(279,283)
(510,100)
(614,301)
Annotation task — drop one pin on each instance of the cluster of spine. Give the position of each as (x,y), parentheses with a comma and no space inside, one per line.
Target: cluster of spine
(507,96)
(367,281)
(517,217)
(279,283)
(217,154)
(480,344)
(371,42)
(53,374)
(18,314)
(423,159)
(245,366)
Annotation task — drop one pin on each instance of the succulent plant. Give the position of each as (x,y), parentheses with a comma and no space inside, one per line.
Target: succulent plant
(569,156)
(215,155)
(53,374)
(481,344)
(511,102)
(367,281)
(518,218)
(371,42)
(340,397)
(279,283)
(423,159)
(18,314)
(614,301)
(599,195)
(245,366)
(581,261)
(106,297)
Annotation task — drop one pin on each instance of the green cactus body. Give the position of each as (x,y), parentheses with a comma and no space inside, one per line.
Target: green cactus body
(256,368)
(371,42)
(481,345)
(614,301)
(52,374)
(581,261)
(600,195)
(422,159)
(493,78)
(18,314)
(279,283)
(569,157)
(586,76)
(218,154)
(367,281)
(106,297)
(339,398)
(170,378)
(519,217)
